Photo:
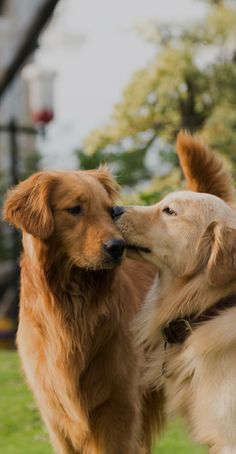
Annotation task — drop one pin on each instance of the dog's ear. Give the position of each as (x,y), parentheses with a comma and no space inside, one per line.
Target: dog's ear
(221,266)
(215,255)
(27,205)
(203,169)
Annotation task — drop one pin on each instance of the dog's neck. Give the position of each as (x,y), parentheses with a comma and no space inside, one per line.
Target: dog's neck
(81,300)
(180,296)
(60,275)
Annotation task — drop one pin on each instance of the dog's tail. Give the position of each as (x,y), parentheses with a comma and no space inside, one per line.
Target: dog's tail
(203,169)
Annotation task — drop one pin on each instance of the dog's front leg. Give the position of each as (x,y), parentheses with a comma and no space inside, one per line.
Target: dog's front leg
(116,427)
(60,443)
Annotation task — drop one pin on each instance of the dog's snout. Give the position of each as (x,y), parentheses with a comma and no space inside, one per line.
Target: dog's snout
(117,211)
(115,248)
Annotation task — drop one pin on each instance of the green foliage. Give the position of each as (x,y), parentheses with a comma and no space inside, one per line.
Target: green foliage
(159,188)
(190,84)
(128,166)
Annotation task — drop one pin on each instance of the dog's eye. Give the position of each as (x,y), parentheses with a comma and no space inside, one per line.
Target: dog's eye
(74,210)
(169,211)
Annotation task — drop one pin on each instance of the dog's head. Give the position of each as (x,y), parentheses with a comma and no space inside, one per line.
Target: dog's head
(186,233)
(189,230)
(72,213)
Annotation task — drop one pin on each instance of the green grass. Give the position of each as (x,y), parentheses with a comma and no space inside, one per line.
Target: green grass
(176,441)
(21,430)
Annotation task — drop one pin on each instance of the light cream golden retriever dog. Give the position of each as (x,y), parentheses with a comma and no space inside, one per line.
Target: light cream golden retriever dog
(188,323)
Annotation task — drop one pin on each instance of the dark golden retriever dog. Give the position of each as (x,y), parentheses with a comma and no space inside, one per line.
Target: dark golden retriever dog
(76,305)
(188,323)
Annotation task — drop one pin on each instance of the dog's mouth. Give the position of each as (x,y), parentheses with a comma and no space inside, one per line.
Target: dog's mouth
(112,263)
(107,264)
(138,248)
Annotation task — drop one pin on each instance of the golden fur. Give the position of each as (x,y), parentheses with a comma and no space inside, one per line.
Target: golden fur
(203,169)
(192,240)
(75,309)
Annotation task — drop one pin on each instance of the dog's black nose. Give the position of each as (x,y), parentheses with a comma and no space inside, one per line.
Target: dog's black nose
(115,248)
(117,211)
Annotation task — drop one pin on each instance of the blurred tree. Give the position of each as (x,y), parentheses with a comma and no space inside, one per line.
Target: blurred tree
(189,84)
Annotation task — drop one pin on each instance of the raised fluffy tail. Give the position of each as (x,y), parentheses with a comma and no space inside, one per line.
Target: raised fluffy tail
(203,169)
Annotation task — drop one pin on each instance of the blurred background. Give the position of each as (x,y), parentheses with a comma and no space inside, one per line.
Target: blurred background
(84,83)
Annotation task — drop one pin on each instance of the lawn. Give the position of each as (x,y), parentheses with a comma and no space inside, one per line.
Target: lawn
(21,431)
